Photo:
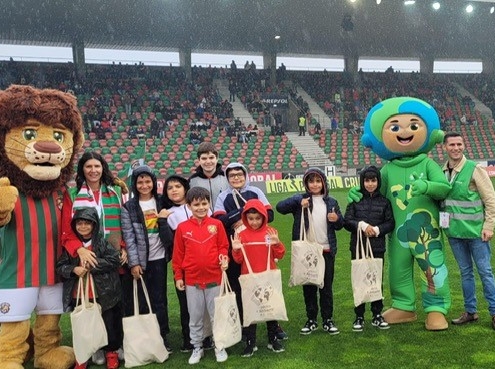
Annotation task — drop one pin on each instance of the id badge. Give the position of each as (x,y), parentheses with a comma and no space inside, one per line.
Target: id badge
(444,219)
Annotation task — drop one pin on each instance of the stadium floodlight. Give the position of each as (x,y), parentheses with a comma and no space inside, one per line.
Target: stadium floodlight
(469,8)
(492,9)
(378,2)
(436,5)
(409,2)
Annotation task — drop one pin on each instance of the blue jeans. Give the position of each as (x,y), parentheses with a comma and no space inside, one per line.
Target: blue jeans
(465,252)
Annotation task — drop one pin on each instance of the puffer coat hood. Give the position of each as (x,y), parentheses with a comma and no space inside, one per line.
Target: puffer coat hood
(143,169)
(369,172)
(87,214)
(315,171)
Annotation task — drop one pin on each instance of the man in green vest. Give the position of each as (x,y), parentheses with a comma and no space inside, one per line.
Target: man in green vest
(302,125)
(468,219)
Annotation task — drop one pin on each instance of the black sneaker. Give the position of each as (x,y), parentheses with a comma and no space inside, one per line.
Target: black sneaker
(250,349)
(310,326)
(379,322)
(208,343)
(329,326)
(186,347)
(280,333)
(275,346)
(167,345)
(358,324)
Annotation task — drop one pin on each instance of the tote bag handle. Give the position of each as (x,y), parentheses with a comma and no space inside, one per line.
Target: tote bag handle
(248,264)
(135,292)
(302,231)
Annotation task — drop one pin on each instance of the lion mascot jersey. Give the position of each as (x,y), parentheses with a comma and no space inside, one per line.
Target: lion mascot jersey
(40,134)
(403,130)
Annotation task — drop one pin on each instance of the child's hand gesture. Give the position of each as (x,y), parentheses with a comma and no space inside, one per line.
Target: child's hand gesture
(333,216)
(224,262)
(273,236)
(236,241)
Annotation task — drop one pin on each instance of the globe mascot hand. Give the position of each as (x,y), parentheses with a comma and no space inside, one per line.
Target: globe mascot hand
(354,195)
(418,186)
(8,198)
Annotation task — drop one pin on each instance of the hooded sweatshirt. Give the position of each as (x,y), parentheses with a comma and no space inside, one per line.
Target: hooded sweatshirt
(230,203)
(373,209)
(254,242)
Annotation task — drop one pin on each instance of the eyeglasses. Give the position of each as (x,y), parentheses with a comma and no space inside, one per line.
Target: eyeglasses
(236,175)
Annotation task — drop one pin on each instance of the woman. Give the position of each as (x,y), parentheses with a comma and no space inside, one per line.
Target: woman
(95,189)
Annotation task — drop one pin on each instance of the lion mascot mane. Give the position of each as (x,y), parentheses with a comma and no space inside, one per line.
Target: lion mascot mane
(40,135)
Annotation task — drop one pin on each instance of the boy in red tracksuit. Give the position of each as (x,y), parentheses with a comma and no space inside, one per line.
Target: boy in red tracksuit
(255,239)
(200,254)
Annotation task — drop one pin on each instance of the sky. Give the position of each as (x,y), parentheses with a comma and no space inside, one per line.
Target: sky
(308,63)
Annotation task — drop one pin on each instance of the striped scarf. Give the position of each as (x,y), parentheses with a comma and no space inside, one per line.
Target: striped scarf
(108,208)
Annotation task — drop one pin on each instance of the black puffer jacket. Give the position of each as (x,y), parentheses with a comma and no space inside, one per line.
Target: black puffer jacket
(373,209)
(105,274)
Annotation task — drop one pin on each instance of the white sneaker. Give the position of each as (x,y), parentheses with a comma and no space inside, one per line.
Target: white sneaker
(196,355)
(98,357)
(221,355)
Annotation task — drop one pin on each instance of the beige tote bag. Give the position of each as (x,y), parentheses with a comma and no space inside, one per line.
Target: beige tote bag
(307,265)
(366,273)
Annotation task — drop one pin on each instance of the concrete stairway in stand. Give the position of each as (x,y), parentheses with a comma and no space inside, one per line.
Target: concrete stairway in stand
(315,109)
(239,110)
(309,149)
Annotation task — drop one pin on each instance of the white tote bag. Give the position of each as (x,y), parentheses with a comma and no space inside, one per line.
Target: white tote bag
(366,273)
(143,343)
(88,329)
(262,298)
(227,329)
(307,265)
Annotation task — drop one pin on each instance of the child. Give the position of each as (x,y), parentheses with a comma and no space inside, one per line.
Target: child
(85,224)
(149,244)
(373,216)
(326,220)
(254,240)
(199,246)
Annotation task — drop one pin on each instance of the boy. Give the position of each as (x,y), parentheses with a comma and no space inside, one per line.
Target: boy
(199,243)
(85,224)
(373,216)
(326,220)
(149,243)
(254,239)
(209,173)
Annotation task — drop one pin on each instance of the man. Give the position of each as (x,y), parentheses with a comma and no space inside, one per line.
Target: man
(468,219)
(209,173)
(302,125)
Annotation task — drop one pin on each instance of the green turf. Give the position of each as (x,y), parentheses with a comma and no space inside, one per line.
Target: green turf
(402,346)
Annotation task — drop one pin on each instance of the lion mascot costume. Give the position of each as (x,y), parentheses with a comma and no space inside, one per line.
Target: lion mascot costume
(403,130)
(40,135)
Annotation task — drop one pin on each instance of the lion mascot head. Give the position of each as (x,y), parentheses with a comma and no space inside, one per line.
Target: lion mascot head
(40,135)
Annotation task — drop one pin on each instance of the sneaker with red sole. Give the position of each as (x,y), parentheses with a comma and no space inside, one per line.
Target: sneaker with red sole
(81,366)
(112,359)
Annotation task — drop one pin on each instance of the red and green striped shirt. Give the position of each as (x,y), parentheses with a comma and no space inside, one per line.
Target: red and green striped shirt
(29,243)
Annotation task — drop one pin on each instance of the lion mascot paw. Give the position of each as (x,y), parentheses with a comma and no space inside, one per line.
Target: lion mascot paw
(40,135)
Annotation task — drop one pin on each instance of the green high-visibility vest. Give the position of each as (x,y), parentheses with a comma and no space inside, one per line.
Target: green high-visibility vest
(464,206)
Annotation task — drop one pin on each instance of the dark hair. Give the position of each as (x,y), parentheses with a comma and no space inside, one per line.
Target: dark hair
(106,175)
(451,134)
(253,211)
(206,147)
(370,174)
(197,193)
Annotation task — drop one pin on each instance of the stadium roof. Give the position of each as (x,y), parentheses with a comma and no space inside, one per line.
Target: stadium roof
(306,27)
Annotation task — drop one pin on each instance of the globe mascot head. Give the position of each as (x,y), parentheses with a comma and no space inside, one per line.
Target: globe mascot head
(401,127)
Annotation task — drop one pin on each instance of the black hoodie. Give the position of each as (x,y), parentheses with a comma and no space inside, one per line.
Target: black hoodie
(105,273)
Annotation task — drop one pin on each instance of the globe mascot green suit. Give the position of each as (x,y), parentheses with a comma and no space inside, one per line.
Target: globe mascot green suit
(403,130)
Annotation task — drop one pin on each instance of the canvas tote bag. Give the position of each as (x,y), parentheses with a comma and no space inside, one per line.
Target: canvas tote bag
(262,298)
(88,329)
(307,265)
(227,330)
(366,273)
(143,343)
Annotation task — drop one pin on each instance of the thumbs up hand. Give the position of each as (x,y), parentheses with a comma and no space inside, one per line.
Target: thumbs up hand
(332,216)
(418,185)
(8,198)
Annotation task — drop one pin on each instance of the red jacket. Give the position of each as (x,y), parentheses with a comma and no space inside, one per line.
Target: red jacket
(197,247)
(254,242)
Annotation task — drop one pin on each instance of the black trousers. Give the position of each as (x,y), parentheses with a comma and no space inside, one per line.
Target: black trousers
(271,327)
(310,292)
(113,323)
